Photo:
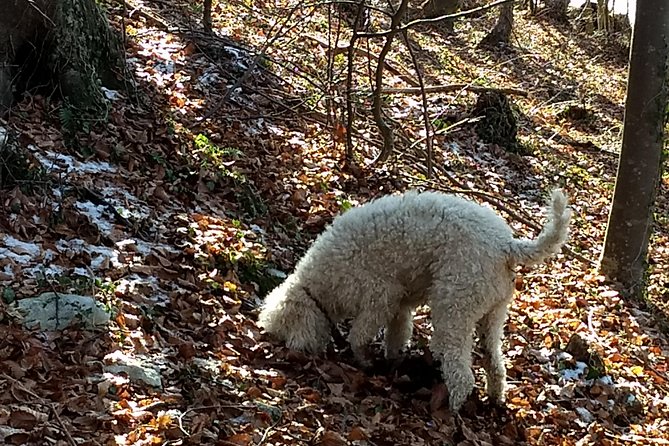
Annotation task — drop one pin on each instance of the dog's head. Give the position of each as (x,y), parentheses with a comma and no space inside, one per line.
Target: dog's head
(291,315)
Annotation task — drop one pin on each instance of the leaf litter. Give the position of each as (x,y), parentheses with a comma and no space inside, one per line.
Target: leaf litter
(181,226)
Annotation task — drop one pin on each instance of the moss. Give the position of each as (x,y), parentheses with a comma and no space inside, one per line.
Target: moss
(86,55)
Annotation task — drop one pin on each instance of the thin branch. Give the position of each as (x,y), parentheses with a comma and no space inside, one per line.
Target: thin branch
(386,131)
(343,2)
(452,87)
(438,19)
(426,115)
(349,83)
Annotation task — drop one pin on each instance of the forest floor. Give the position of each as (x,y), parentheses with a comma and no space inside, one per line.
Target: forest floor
(184,206)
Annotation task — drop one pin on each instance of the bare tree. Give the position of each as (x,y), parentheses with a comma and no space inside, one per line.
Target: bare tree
(639,169)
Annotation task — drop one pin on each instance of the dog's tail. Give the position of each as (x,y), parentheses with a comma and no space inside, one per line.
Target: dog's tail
(552,236)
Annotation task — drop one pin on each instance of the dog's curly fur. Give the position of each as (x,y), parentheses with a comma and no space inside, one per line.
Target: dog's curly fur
(378,262)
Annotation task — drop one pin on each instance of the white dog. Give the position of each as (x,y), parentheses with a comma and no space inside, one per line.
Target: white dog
(377,263)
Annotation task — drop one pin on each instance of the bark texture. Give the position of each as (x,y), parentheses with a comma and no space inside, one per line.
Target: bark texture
(639,168)
(63,46)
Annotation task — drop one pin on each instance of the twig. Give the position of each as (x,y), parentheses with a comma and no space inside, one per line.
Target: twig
(219,406)
(386,131)
(269,428)
(40,12)
(345,2)
(453,87)
(62,425)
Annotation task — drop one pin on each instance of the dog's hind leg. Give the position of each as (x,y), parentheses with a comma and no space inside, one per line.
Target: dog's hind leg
(453,347)
(491,329)
(398,332)
(452,340)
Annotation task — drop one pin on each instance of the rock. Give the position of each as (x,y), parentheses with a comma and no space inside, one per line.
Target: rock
(56,311)
(135,369)
(581,352)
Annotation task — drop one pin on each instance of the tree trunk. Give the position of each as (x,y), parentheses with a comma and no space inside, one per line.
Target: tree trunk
(639,168)
(206,19)
(603,15)
(62,46)
(501,33)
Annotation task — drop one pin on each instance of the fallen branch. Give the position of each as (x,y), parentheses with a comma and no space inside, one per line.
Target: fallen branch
(453,87)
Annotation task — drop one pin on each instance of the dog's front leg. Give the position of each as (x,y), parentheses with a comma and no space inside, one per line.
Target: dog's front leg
(398,332)
(363,330)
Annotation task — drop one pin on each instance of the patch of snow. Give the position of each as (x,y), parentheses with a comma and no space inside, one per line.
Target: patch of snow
(49,270)
(575,373)
(80,271)
(605,380)
(8,270)
(96,215)
(19,247)
(209,78)
(585,415)
(59,161)
(101,256)
(274,129)
(239,56)
(140,209)
(255,127)
(146,286)
(3,136)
